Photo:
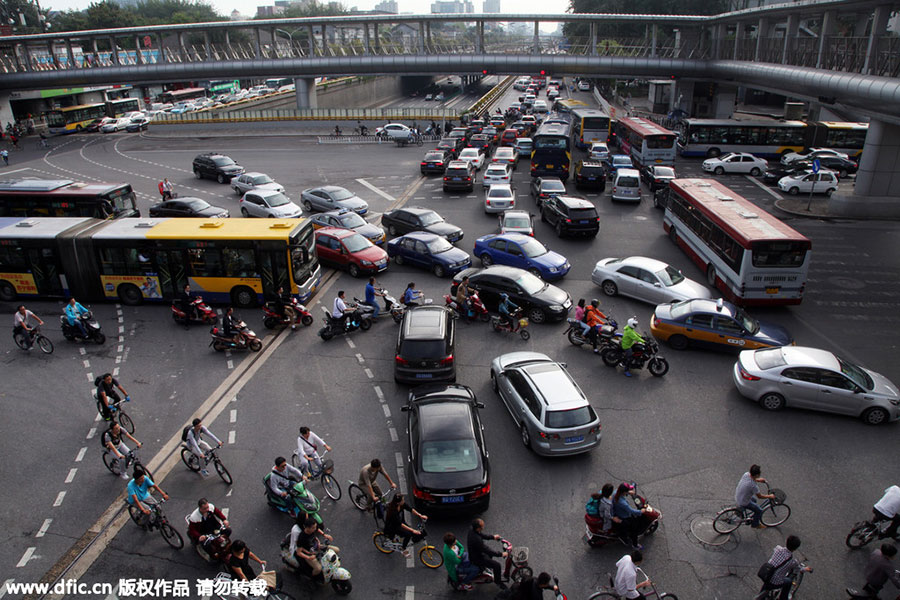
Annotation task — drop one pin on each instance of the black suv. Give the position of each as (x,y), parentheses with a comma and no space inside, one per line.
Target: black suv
(459,176)
(454,145)
(590,174)
(570,215)
(216,166)
(425,346)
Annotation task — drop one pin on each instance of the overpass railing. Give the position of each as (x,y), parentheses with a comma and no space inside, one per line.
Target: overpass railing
(310,114)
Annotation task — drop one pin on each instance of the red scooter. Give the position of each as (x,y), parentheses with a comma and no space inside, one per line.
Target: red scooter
(475,309)
(272,318)
(202,312)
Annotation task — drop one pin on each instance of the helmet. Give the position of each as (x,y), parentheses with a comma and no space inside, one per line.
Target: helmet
(504,296)
(633,322)
(595,303)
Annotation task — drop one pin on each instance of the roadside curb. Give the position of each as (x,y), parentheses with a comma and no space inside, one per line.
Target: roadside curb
(813,214)
(176,136)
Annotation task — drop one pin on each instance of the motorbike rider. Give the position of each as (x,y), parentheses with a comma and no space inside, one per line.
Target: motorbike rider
(282,478)
(600,508)
(112,441)
(308,444)
(198,447)
(630,520)
(372,292)
(579,316)
(284,304)
(506,309)
(595,319)
(74,310)
(305,543)
(20,323)
(411,295)
(230,327)
(187,303)
(533,588)
(462,295)
(456,561)
(395,523)
(480,554)
(626,576)
(367,476)
(888,508)
(205,521)
(630,337)
(745,491)
(106,392)
(340,310)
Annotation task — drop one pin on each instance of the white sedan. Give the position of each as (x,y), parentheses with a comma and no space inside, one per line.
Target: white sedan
(472,155)
(823,182)
(499,197)
(599,151)
(811,154)
(584,86)
(116,125)
(646,279)
(735,162)
(395,131)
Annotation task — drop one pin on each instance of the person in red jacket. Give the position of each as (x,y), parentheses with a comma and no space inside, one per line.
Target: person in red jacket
(205,521)
(165,189)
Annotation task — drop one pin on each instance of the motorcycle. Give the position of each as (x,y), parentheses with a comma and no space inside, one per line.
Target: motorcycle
(646,353)
(476,309)
(396,309)
(353,321)
(595,536)
(246,339)
(299,500)
(577,337)
(214,551)
(202,312)
(272,318)
(73,333)
(332,571)
(515,324)
(515,567)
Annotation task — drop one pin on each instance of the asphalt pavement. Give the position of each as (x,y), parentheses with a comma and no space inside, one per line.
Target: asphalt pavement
(685,438)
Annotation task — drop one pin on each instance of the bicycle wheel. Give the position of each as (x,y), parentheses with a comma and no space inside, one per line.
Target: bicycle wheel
(45,345)
(172,537)
(430,557)
(20,341)
(279,595)
(145,470)
(295,461)
(190,460)
(775,514)
(520,574)
(612,595)
(332,488)
(798,578)
(358,497)
(861,534)
(728,520)
(126,422)
(135,513)
(112,463)
(223,472)
(381,542)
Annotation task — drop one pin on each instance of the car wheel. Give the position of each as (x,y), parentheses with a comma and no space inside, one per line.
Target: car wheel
(244,212)
(392,229)
(678,342)
(237,191)
(525,436)
(307,206)
(755,171)
(772,401)
(220,178)
(197,174)
(711,275)
(875,416)
(713,153)
(829,192)
(398,259)
(610,288)
(486,259)
(842,173)
(536,315)
(354,270)
(438,271)
(719,171)
(794,191)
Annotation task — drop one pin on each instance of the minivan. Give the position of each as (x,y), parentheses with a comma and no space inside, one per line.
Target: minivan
(425,346)
(627,185)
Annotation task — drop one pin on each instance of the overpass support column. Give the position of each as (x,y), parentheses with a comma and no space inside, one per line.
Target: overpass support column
(718,38)
(738,35)
(113,52)
(377,38)
(70,56)
(826,32)
(138,57)
(480,48)
(879,27)
(682,96)
(792,27)
(256,40)
(208,49)
(421,37)
(305,88)
(653,41)
(762,37)
(877,192)
(366,46)
(723,103)
(593,38)
(537,39)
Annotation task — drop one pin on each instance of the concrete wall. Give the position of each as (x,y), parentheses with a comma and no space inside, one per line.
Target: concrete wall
(367,93)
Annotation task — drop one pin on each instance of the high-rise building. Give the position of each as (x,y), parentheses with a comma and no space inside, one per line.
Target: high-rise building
(388,6)
(490,6)
(452,6)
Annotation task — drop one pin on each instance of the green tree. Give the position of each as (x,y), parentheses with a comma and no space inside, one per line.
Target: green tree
(22,16)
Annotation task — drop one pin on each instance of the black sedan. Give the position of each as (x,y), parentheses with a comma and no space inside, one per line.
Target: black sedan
(187,207)
(435,161)
(775,172)
(448,465)
(840,165)
(657,176)
(416,218)
(540,301)
(454,145)
(138,124)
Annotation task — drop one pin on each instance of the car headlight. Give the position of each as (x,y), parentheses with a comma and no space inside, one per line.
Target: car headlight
(556,307)
(553,269)
(366,263)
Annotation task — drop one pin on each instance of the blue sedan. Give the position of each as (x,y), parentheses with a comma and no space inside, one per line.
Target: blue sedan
(429,251)
(517,250)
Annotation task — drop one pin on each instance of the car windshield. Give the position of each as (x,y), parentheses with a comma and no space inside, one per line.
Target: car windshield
(262,179)
(533,248)
(680,309)
(351,220)
(449,456)
(664,171)
(628,182)
(223,161)
(669,276)
(438,245)
(621,160)
(530,284)
(750,324)
(856,373)
(356,243)
(434,156)
(341,194)
(277,200)
(500,192)
(769,358)
(517,221)
(495,173)
(564,419)
(198,205)
(430,218)
(469,153)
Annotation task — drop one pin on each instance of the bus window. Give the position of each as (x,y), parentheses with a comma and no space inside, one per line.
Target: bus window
(239,262)
(205,262)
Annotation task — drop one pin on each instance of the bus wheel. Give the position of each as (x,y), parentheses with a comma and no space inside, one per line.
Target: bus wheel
(7,291)
(243,297)
(713,153)
(129,294)
(711,275)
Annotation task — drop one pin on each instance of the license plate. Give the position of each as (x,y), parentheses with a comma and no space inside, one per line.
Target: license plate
(583,221)
(591,178)
(423,375)
(772,290)
(549,166)
(457,179)
(452,499)
(577,438)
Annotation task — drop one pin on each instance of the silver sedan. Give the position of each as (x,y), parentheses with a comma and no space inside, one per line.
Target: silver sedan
(646,279)
(254,181)
(332,197)
(817,380)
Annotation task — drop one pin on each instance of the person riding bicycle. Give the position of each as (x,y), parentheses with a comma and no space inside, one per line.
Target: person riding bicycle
(532,588)
(284,305)
(630,337)
(138,494)
(205,521)
(506,309)
(626,576)
(367,476)
(456,560)
(784,562)
(74,310)
(480,555)
(282,477)
(888,508)
(21,324)
(371,296)
(106,393)
(165,189)
(187,302)
(305,544)
(395,523)
(411,295)
(595,319)
(744,494)
(112,441)
(363,130)
(337,130)
(194,441)
(308,444)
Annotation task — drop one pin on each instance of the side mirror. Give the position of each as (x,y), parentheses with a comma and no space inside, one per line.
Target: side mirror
(405,408)
(657,284)
(564,365)
(480,405)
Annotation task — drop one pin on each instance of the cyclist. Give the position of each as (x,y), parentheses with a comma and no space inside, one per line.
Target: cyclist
(744,494)
(479,553)
(282,476)
(456,560)
(367,476)
(888,508)
(20,323)
(74,310)
(112,441)
(506,308)
(630,337)
(395,523)
(205,521)
(305,543)
(626,575)
(106,391)
(308,444)
(784,562)
(139,495)
(194,441)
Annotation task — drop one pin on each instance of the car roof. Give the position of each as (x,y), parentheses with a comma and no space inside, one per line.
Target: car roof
(337,232)
(333,213)
(627,173)
(458,164)
(427,322)
(251,174)
(650,264)
(503,149)
(516,213)
(329,188)
(592,163)
(500,186)
(502,271)
(415,210)
(702,305)
(424,236)
(554,384)
(265,192)
(498,166)
(575,202)
(447,420)
(796,356)
(621,157)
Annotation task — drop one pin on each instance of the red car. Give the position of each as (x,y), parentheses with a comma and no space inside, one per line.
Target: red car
(346,249)
(509,137)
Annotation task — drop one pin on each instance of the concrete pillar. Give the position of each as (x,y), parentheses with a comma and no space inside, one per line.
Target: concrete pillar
(182,51)
(723,103)
(537,39)
(653,41)
(879,27)
(480,48)
(368,50)
(94,46)
(791,28)
(71,55)
(421,37)
(683,96)
(718,35)
(312,40)
(738,36)
(877,192)
(377,39)
(162,53)
(306,92)
(862,25)
(52,55)
(593,38)
(762,37)
(826,31)
(113,52)
(138,57)
(324,39)
(207,47)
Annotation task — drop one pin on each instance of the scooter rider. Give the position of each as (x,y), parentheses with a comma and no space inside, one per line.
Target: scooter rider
(187,302)
(74,310)
(479,553)
(630,337)
(205,521)
(229,326)
(506,308)
(411,294)
(462,295)
(340,310)
(372,292)
(305,543)
(283,476)
(595,319)
(284,304)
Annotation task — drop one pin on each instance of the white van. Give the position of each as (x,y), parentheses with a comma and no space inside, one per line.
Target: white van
(522,83)
(627,186)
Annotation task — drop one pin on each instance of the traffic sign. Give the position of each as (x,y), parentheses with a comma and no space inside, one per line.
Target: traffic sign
(147,41)
(816,165)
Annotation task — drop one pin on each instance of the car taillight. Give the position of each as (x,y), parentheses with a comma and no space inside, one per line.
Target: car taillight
(614,189)
(468,179)
(401,361)
(549,436)
(568,220)
(595,429)
(424,164)
(654,321)
(446,179)
(482,491)
(745,375)
(446,361)
(422,495)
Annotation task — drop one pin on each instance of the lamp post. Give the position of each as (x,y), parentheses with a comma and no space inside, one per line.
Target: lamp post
(290,37)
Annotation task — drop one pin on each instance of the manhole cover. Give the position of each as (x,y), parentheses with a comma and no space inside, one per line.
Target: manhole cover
(847,283)
(701,527)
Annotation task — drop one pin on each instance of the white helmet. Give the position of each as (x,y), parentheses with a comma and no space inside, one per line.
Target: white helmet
(633,322)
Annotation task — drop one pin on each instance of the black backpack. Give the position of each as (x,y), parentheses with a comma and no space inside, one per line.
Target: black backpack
(184,433)
(103,437)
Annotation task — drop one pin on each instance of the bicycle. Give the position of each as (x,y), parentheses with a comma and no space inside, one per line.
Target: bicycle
(428,554)
(37,339)
(115,408)
(191,461)
(116,466)
(363,502)
(610,592)
(157,519)
(269,595)
(866,531)
(323,473)
(775,512)
(796,577)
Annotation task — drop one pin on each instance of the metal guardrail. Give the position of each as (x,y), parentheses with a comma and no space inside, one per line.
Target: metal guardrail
(311,114)
(369,139)
(484,103)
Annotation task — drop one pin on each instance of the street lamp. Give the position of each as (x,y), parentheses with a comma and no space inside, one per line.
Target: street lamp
(290,37)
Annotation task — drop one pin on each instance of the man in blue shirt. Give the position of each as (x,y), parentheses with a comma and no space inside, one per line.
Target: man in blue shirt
(139,495)
(74,310)
(371,294)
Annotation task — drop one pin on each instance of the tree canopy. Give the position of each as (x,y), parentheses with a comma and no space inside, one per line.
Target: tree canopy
(105,14)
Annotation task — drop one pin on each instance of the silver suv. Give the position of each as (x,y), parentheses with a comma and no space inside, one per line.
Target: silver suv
(553,416)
